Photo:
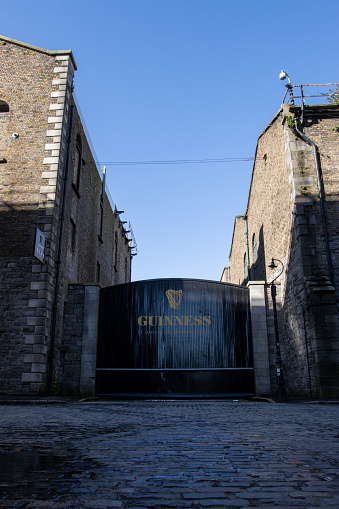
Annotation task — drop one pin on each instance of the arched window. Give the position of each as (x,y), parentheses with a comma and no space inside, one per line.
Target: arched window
(116,249)
(255,256)
(246,268)
(77,162)
(126,267)
(4,107)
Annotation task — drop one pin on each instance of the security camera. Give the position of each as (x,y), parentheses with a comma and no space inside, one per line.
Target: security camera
(15,135)
(283,75)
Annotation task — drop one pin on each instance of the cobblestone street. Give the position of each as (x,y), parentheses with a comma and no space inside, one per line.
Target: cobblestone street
(180,454)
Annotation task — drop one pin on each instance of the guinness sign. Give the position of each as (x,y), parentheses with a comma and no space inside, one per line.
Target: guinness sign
(174,336)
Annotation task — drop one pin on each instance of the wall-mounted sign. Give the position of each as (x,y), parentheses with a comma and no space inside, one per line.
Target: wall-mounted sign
(39,246)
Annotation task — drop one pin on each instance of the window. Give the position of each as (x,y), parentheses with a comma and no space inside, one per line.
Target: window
(77,164)
(73,235)
(101,222)
(126,275)
(255,256)
(4,107)
(116,249)
(246,268)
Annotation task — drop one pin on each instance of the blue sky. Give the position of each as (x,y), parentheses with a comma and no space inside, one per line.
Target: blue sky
(169,80)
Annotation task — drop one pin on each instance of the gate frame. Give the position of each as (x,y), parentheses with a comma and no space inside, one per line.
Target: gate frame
(89,339)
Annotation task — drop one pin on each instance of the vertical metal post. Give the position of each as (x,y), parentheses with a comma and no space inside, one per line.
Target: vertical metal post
(281,390)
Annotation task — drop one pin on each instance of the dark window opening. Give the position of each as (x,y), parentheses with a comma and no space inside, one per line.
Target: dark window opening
(73,235)
(255,256)
(126,275)
(77,165)
(246,274)
(4,107)
(116,249)
(78,162)
(101,222)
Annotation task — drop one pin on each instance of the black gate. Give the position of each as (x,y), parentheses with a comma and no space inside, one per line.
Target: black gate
(174,338)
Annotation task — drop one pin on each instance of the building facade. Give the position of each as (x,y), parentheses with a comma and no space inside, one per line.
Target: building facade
(292,216)
(58,223)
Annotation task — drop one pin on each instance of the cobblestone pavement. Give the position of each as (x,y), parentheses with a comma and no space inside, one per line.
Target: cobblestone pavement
(177,454)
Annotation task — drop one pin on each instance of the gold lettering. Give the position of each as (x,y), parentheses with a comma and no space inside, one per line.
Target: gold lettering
(161,321)
(151,319)
(188,320)
(141,321)
(207,320)
(168,319)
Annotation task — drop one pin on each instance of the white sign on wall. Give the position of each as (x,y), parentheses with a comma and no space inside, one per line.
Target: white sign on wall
(39,246)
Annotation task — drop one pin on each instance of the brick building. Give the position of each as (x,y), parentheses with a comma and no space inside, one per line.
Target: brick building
(58,223)
(292,216)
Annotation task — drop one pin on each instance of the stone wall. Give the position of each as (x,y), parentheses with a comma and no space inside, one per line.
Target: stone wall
(72,339)
(238,252)
(33,83)
(50,184)
(284,214)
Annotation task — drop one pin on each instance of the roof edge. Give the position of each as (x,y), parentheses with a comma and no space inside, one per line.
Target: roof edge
(310,107)
(40,50)
(276,116)
(250,188)
(235,221)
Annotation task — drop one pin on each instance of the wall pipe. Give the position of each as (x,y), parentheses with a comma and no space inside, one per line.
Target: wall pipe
(58,262)
(321,196)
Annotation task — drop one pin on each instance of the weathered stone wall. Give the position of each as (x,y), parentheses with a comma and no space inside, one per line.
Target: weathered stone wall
(33,82)
(40,188)
(310,302)
(284,214)
(238,251)
(72,339)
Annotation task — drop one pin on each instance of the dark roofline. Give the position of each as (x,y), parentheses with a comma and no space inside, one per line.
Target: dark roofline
(40,50)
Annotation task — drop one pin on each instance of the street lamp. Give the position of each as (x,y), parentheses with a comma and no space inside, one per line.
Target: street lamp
(281,390)
(289,88)
(283,75)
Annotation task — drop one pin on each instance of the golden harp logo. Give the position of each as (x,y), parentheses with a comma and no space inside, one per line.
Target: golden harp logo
(174,298)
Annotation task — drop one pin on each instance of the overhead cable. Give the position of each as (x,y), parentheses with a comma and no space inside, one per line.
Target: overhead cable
(176,161)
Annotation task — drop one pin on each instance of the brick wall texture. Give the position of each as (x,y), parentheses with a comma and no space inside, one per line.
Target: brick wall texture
(285,222)
(49,181)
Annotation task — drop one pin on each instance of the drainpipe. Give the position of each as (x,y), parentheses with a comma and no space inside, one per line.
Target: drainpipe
(321,196)
(247,249)
(58,262)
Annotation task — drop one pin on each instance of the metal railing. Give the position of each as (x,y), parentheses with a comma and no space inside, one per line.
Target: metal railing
(302,96)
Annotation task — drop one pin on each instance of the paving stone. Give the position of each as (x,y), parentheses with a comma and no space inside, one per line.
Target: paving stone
(182,454)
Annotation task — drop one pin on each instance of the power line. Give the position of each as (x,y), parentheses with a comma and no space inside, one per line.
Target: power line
(176,161)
